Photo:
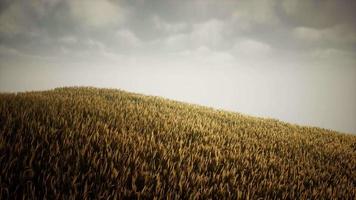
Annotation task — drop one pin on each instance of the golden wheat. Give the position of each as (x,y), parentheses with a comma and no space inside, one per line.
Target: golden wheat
(79,143)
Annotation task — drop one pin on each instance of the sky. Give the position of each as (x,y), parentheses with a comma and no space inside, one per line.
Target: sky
(293,60)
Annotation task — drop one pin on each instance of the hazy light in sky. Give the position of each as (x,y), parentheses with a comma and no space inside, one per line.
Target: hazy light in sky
(293,60)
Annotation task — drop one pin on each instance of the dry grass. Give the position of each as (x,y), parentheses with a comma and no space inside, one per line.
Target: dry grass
(106,144)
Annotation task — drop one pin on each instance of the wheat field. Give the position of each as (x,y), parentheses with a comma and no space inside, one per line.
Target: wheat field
(89,143)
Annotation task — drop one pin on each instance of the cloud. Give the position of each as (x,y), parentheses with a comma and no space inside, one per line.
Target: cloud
(338,34)
(257,11)
(13,20)
(205,55)
(26,22)
(162,25)
(290,6)
(319,14)
(332,53)
(307,33)
(88,50)
(127,38)
(246,28)
(209,33)
(177,41)
(333,57)
(251,48)
(95,44)
(68,39)
(6,51)
(25,17)
(96,14)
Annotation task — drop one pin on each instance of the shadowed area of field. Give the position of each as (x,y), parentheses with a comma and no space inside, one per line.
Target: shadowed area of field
(104,143)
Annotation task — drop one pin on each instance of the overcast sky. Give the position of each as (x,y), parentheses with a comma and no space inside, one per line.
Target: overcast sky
(294,60)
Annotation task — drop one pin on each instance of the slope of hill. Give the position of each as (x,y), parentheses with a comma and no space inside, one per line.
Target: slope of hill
(103,143)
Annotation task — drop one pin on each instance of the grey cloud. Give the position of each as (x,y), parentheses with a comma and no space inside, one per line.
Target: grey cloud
(320,14)
(257,12)
(178,21)
(162,25)
(339,36)
(96,14)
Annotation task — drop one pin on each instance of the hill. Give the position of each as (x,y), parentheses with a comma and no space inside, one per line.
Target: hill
(103,143)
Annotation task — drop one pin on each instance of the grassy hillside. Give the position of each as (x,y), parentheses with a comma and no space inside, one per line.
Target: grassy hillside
(101,143)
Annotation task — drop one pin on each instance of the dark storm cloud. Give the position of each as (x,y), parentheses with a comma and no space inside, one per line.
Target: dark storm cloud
(320,14)
(289,24)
